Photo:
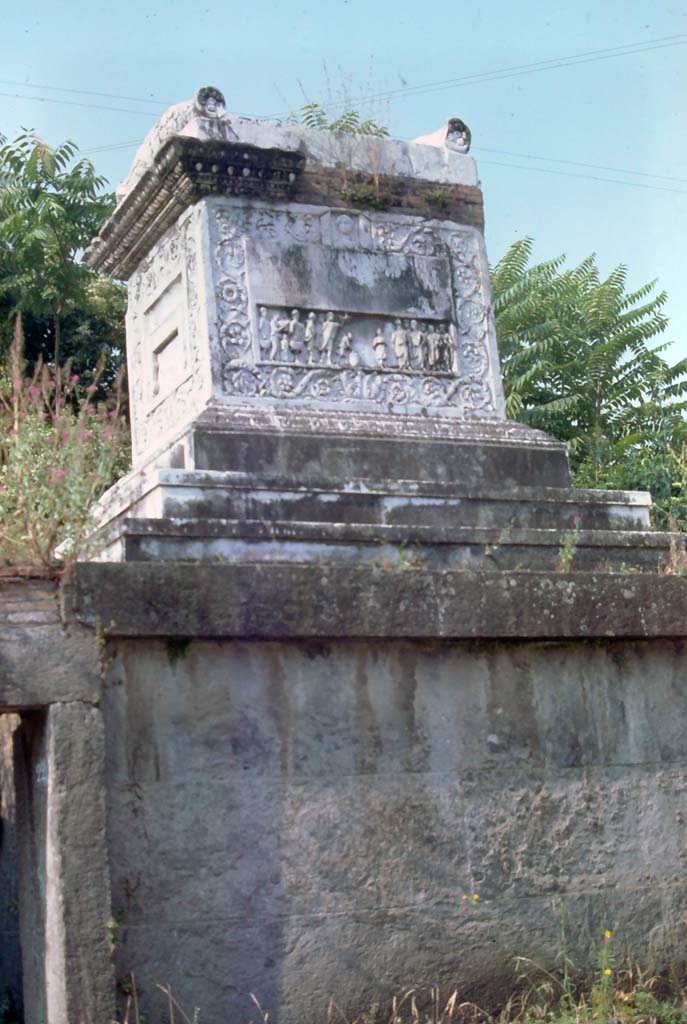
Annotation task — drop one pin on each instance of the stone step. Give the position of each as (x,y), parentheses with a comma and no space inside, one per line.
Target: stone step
(236,496)
(386,546)
(500,461)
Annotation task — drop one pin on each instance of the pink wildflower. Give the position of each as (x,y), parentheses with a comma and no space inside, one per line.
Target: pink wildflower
(87,435)
(108,434)
(18,384)
(34,391)
(74,378)
(90,408)
(90,389)
(57,474)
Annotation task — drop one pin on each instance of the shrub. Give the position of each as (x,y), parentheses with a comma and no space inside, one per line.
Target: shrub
(58,452)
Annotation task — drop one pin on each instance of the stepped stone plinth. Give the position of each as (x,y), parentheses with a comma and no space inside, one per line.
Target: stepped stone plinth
(312,360)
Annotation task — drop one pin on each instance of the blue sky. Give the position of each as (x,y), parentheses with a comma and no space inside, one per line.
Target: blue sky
(625,112)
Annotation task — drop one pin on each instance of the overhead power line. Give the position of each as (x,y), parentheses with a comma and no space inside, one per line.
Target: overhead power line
(107,149)
(585,57)
(84,92)
(76,103)
(552,64)
(577,163)
(587,177)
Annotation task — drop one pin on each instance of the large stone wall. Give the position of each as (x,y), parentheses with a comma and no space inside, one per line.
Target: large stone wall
(305,820)
(301,816)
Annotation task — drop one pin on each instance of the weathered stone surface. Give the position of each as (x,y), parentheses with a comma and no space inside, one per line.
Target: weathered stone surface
(271,601)
(344,797)
(260,275)
(64,896)
(10,957)
(42,659)
(242,303)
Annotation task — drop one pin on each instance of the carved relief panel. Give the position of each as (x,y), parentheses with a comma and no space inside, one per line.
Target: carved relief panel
(366,311)
(164,319)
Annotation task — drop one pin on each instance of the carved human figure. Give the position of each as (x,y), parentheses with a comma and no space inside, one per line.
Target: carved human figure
(275,336)
(425,344)
(345,345)
(263,328)
(309,335)
(433,343)
(292,334)
(399,340)
(445,350)
(379,346)
(417,339)
(330,329)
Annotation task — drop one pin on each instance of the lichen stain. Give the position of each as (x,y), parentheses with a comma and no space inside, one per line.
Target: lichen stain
(279,703)
(369,745)
(416,753)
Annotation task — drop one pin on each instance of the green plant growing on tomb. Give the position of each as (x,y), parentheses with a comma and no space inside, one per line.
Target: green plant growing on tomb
(315,115)
(566,552)
(439,197)
(676,562)
(407,559)
(361,193)
(358,189)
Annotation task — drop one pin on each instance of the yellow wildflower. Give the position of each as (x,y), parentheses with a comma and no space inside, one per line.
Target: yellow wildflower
(475,896)
(608,934)
(608,972)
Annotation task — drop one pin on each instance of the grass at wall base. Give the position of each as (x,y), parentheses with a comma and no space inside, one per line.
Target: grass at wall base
(614,991)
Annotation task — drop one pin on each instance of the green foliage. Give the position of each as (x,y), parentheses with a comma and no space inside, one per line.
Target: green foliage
(51,206)
(609,993)
(314,115)
(566,552)
(578,362)
(59,451)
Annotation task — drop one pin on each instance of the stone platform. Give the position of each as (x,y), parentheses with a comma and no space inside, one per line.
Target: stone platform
(245,487)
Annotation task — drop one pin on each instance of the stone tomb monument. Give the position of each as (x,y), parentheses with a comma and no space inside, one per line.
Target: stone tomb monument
(313,364)
(253,750)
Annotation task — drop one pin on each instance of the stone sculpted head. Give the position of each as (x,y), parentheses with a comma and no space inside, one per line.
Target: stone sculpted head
(458,135)
(209,102)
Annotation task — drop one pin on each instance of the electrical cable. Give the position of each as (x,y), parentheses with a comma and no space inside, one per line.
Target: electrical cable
(82,92)
(584,57)
(577,163)
(588,177)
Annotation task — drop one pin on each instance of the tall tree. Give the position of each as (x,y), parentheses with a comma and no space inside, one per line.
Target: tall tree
(51,205)
(578,361)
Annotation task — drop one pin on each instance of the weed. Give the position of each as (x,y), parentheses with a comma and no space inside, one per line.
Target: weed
(566,552)
(58,453)
(439,197)
(364,194)
(676,562)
